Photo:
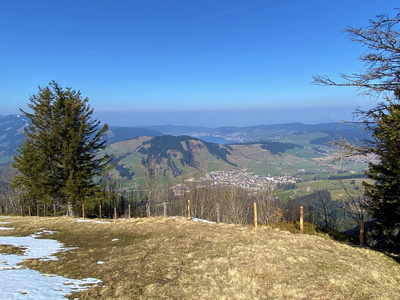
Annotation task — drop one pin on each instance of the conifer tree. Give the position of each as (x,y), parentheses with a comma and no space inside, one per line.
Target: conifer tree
(383,196)
(59,159)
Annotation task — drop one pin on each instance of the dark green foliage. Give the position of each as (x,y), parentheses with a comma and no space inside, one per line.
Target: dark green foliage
(383,200)
(58,160)
(220,152)
(277,148)
(286,186)
(341,177)
(124,172)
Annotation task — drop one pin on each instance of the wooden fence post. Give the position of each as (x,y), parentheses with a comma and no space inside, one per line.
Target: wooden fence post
(83,210)
(55,211)
(188,209)
(129,212)
(37,210)
(115,214)
(44,210)
(165,209)
(362,227)
(100,212)
(29,210)
(218,217)
(255,215)
(301,219)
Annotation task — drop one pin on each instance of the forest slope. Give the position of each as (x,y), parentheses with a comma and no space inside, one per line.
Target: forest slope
(295,155)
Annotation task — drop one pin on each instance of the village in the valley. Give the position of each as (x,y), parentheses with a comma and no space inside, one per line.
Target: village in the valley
(248,181)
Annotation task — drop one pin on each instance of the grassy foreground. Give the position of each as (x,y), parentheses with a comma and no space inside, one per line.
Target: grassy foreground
(170,258)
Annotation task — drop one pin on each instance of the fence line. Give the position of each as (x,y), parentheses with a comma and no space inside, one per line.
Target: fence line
(233,212)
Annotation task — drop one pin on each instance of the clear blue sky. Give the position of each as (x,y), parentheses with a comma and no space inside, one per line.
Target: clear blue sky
(187,62)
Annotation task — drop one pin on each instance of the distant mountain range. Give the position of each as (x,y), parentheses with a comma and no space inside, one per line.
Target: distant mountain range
(304,155)
(227,135)
(11,134)
(190,148)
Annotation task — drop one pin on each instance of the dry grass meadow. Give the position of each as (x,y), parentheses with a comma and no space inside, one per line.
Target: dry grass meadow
(166,258)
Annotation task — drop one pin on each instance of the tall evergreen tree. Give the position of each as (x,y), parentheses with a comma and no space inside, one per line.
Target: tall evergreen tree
(383,196)
(59,159)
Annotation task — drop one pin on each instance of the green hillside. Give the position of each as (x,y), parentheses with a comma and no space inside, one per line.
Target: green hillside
(183,156)
(171,156)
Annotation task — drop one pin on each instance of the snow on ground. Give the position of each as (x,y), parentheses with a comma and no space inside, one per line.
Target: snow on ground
(6,228)
(18,282)
(200,220)
(88,220)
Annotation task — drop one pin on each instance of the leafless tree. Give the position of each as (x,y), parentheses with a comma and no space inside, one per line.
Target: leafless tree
(151,184)
(355,202)
(380,75)
(10,198)
(268,207)
(381,58)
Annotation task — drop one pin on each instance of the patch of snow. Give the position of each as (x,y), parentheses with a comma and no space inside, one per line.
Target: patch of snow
(6,228)
(200,220)
(45,232)
(88,220)
(49,232)
(100,262)
(113,240)
(5,222)
(18,282)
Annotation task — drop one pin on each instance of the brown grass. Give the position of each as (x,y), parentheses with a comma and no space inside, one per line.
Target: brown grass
(169,258)
(8,249)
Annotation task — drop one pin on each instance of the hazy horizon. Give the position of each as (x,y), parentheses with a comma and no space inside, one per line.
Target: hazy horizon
(223,63)
(221,118)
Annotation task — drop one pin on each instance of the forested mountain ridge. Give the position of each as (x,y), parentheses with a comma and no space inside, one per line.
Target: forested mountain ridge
(275,138)
(186,156)
(170,155)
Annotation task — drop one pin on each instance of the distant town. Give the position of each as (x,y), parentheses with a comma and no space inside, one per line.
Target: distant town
(244,180)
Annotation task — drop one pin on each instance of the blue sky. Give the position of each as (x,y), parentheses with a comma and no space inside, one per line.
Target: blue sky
(189,62)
